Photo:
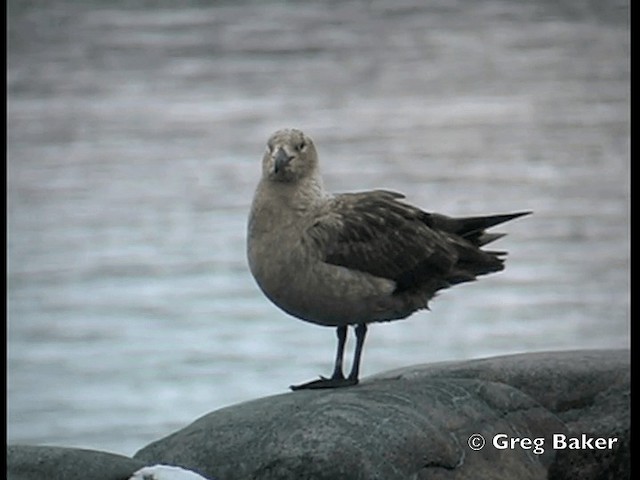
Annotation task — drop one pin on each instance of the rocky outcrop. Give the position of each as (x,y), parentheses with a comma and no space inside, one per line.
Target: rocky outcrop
(556,415)
(417,422)
(26,462)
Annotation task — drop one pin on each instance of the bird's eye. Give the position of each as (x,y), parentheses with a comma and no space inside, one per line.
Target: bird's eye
(301,146)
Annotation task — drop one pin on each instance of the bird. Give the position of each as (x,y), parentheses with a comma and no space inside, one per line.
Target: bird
(351,259)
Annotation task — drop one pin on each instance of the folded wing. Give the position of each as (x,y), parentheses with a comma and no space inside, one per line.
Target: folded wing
(374,232)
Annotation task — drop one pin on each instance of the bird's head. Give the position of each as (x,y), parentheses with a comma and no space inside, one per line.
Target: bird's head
(290,156)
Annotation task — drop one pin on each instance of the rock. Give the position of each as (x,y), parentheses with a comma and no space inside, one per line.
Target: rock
(595,400)
(606,414)
(60,463)
(415,423)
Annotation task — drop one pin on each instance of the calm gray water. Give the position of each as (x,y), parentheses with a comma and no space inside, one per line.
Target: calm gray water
(134,141)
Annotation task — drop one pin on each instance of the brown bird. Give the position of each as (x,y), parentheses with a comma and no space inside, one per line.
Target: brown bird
(353,258)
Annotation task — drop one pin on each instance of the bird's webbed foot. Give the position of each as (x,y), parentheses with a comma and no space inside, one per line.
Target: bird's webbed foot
(323,382)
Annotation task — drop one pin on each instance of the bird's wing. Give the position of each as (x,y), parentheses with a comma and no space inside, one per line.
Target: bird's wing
(375,233)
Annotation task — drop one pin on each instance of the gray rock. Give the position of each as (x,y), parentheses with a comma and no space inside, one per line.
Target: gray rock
(59,463)
(415,423)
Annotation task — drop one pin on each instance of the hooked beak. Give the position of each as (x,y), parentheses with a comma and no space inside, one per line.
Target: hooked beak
(281,160)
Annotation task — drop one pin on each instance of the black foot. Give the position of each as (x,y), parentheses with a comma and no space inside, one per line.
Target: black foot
(326,383)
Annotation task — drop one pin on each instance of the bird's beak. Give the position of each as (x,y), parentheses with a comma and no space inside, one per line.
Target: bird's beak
(281,160)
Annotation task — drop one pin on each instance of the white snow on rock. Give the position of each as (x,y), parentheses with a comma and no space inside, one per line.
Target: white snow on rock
(166,472)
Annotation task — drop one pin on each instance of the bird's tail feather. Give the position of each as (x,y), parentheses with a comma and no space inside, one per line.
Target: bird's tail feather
(473,228)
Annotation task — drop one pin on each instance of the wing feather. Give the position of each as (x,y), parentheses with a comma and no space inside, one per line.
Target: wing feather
(375,233)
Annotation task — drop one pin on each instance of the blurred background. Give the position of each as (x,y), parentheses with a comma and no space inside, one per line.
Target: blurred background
(135,133)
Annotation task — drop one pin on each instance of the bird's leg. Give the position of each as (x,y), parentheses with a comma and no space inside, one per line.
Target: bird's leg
(361,333)
(342,339)
(337,378)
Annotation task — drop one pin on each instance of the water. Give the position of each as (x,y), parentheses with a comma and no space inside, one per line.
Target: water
(134,140)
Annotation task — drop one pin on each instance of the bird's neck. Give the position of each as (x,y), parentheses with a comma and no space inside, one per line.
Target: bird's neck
(298,196)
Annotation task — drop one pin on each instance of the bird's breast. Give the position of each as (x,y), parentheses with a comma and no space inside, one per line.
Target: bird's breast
(312,290)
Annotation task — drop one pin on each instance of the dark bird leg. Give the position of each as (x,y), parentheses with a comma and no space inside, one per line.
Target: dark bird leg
(342,339)
(361,333)
(337,378)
